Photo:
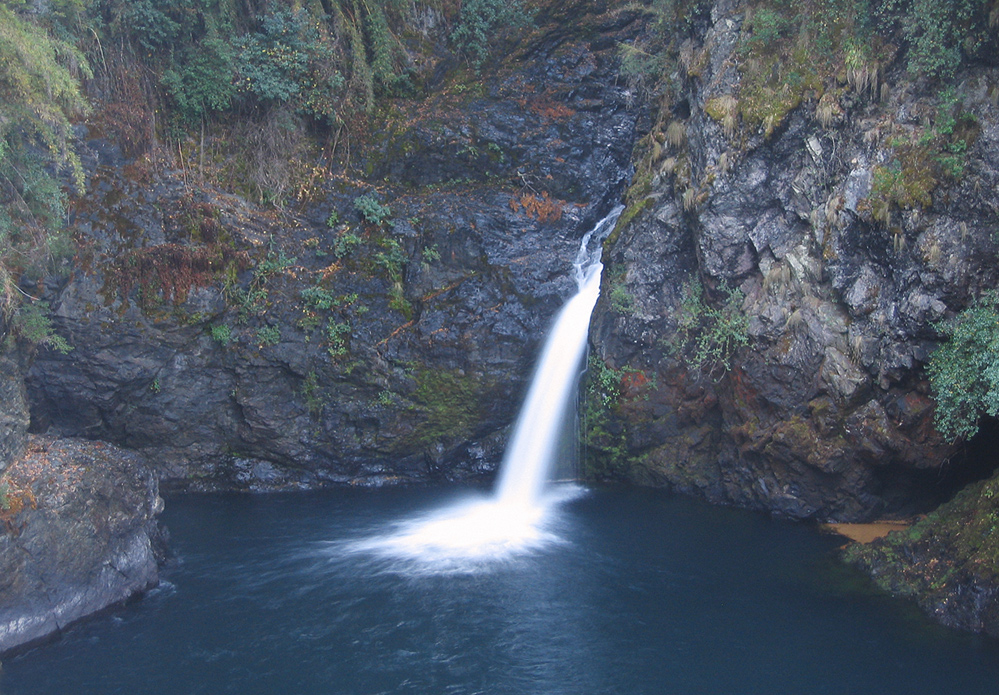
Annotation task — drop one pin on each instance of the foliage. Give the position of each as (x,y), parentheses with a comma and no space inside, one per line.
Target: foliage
(921,160)
(272,62)
(268,335)
(621,300)
(481,22)
(371,210)
(202,82)
(605,433)
(39,94)
(964,371)
(221,333)
(708,336)
(31,322)
(936,30)
(39,89)
(336,338)
(392,258)
(312,394)
(431,254)
(345,244)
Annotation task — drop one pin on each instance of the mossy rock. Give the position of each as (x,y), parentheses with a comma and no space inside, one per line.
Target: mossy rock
(948,562)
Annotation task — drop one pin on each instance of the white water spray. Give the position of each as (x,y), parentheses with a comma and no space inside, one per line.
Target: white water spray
(515,519)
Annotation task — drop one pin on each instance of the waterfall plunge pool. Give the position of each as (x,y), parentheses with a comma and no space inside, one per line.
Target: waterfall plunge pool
(628,591)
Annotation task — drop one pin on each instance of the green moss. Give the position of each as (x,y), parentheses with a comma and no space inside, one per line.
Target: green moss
(922,160)
(451,405)
(605,428)
(956,544)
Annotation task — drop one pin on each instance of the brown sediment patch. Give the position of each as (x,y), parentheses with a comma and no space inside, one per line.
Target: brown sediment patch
(865,533)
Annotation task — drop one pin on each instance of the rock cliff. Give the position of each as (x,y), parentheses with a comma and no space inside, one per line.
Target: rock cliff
(771,305)
(382,325)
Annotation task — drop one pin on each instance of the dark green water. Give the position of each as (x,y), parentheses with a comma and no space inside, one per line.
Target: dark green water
(644,593)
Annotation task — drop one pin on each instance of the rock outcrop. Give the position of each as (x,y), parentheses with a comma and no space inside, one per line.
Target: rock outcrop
(79,534)
(381,327)
(947,562)
(816,404)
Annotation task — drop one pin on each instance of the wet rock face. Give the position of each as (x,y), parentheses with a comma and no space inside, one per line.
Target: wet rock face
(825,412)
(78,534)
(347,340)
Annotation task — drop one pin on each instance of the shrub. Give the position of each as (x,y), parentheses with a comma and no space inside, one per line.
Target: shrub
(268,335)
(481,21)
(708,336)
(964,371)
(32,323)
(336,338)
(202,82)
(273,61)
(221,333)
(371,210)
(392,259)
(345,244)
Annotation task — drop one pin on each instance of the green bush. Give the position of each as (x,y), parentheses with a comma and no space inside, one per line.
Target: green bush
(708,336)
(482,21)
(202,81)
(337,333)
(221,333)
(964,371)
(268,335)
(32,323)
(392,259)
(345,244)
(371,210)
(272,62)
(937,31)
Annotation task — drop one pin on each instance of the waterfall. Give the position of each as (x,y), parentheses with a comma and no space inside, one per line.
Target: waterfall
(529,457)
(517,517)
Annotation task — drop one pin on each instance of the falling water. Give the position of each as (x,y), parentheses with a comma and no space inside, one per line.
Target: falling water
(531,453)
(517,517)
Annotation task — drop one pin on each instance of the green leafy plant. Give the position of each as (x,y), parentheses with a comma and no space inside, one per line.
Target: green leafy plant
(482,22)
(31,322)
(273,61)
(337,333)
(708,336)
(221,333)
(268,335)
(431,254)
(345,244)
(371,210)
(392,258)
(964,370)
(312,394)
